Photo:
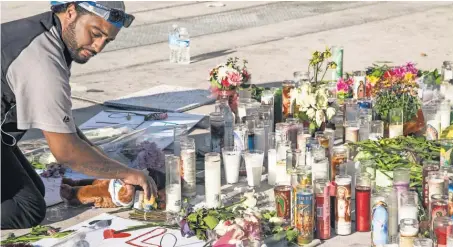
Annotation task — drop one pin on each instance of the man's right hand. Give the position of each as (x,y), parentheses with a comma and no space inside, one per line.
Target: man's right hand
(143,180)
(70,150)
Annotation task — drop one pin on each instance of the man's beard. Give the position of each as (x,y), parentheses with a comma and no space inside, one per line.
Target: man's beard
(69,38)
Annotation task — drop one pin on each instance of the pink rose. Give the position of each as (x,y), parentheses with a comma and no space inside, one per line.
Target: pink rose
(234,78)
(342,86)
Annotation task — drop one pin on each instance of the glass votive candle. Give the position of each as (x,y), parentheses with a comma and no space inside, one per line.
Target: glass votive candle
(428,166)
(408,206)
(254,166)
(408,232)
(231,164)
(396,122)
(376,130)
(352,132)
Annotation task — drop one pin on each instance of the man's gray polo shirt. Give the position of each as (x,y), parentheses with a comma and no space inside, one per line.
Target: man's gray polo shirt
(36,67)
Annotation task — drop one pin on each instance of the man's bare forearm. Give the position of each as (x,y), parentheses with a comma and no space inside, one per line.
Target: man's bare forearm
(74,152)
(104,169)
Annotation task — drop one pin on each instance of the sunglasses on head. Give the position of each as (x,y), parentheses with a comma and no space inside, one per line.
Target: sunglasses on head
(115,15)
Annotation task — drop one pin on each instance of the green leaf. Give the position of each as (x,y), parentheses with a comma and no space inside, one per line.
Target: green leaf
(192,218)
(211,221)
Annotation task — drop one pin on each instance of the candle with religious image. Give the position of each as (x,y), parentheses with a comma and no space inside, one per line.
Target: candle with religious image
(322,208)
(287,90)
(438,208)
(188,167)
(343,205)
(304,214)
(442,226)
(428,166)
(379,219)
(283,201)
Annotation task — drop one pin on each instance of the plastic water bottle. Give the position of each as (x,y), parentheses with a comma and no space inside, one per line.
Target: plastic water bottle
(173,43)
(184,46)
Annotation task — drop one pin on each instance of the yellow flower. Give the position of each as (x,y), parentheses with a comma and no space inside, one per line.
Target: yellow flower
(408,76)
(373,80)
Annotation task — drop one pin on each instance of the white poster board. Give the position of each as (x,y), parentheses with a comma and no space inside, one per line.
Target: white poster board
(96,237)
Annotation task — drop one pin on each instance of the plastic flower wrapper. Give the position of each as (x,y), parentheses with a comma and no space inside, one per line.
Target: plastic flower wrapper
(149,156)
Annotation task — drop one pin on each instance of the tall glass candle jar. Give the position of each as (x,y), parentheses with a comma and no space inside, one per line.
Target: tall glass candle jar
(212,185)
(432,121)
(280,169)
(339,156)
(408,232)
(408,206)
(396,122)
(362,201)
(217,131)
(446,152)
(267,99)
(343,204)
(392,203)
(352,132)
(444,112)
(293,158)
(287,104)
(281,131)
(322,209)
(379,219)
(179,132)
(369,166)
(271,158)
(364,131)
(283,201)
(351,110)
(401,179)
(428,166)
(260,138)
(304,214)
(254,165)
(438,208)
(436,184)
(231,163)
(442,226)
(376,130)
(242,106)
(172,183)
(189,167)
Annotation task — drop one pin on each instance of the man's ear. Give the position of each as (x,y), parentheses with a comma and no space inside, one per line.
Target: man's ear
(71,13)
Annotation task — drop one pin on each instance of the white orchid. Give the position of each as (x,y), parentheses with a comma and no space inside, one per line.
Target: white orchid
(330,112)
(320,117)
(321,101)
(311,113)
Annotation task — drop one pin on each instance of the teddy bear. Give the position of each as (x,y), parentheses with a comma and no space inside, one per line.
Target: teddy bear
(108,193)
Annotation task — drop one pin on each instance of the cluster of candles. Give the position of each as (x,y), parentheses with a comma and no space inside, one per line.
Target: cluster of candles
(315,183)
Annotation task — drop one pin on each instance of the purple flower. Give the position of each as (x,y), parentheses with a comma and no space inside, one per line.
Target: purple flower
(185,229)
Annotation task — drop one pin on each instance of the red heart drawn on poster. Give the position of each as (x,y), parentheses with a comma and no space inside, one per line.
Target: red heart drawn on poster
(110,233)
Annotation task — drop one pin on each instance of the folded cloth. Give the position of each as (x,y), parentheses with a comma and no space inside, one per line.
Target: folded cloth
(114,188)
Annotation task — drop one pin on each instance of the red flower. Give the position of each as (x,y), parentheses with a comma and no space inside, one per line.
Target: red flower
(225,82)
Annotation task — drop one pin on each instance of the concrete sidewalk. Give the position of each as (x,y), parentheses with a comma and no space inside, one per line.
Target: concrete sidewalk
(277,38)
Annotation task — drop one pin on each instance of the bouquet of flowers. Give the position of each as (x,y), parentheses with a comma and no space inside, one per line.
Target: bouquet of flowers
(312,99)
(344,88)
(395,88)
(229,76)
